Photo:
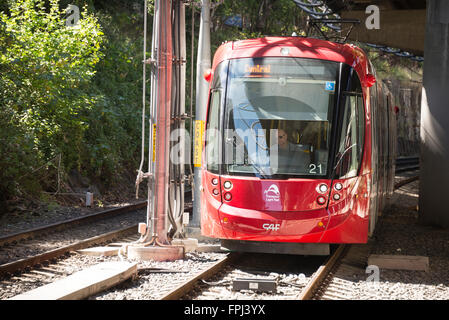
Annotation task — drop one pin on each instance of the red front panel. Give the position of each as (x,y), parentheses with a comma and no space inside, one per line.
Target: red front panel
(285,210)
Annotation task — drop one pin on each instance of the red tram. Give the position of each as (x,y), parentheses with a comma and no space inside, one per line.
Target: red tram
(299,146)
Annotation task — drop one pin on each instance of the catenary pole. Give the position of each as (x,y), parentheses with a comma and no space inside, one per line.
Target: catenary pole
(202,87)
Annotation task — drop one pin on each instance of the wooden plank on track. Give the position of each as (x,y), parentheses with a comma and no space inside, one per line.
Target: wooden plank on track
(210,248)
(99,251)
(84,283)
(399,262)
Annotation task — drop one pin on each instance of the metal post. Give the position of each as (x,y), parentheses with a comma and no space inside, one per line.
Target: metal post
(177,138)
(202,87)
(182,94)
(158,247)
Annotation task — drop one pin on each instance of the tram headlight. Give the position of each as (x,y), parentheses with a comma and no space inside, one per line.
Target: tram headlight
(227,185)
(338,186)
(214,181)
(336,197)
(323,188)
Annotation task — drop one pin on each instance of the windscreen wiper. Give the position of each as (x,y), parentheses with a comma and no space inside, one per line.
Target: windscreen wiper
(259,170)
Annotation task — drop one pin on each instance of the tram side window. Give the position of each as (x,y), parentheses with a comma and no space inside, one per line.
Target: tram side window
(374,126)
(360,128)
(350,147)
(213,133)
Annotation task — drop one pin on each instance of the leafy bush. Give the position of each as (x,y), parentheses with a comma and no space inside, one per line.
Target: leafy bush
(76,92)
(45,73)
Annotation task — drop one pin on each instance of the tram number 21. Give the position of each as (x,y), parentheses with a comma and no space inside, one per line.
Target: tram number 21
(315,169)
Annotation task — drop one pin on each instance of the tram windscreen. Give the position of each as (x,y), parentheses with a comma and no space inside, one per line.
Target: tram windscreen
(278,116)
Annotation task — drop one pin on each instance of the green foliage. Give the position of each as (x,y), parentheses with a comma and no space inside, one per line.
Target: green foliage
(46,69)
(260,18)
(77,91)
(390,66)
(113,136)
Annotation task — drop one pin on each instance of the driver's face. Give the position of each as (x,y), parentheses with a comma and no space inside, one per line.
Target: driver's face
(282,138)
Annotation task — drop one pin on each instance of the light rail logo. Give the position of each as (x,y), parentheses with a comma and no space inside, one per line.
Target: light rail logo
(272,193)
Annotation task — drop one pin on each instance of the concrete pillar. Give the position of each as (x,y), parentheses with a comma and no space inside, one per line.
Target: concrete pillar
(434,173)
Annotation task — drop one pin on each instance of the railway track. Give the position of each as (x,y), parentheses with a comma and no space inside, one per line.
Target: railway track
(332,280)
(292,281)
(52,270)
(40,231)
(339,283)
(403,182)
(25,264)
(224,279)
(257,276)
(22,251)
(404,164)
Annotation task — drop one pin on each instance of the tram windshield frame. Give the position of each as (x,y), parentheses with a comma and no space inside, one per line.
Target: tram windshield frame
(258,103)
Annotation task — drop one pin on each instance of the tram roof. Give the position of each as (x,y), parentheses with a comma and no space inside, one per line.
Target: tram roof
(297,47)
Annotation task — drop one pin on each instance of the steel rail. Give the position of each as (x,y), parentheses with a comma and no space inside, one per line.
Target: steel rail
(405,169)
(29,234)
(15,266)
(186,287)
(321,274)
(306,294)
(407,160)
(405,181)
(404,164)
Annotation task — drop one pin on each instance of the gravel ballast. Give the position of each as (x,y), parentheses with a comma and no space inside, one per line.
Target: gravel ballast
(399,232)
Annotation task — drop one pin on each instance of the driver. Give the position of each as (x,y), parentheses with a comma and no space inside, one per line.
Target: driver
(291,157)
